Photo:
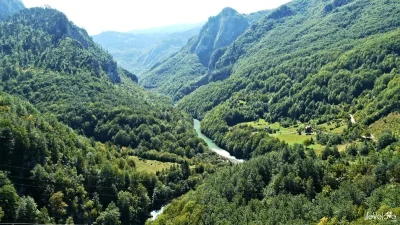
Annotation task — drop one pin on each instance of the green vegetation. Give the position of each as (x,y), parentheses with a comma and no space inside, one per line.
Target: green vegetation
(283,74)
(150,166)
(50,173)
(184,71)
(81,142)
(390,122)
(296,134)
(294,186)
(95,99)
(305,63)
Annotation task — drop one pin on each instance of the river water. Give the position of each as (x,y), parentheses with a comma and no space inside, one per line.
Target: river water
(210,143)
(154,214)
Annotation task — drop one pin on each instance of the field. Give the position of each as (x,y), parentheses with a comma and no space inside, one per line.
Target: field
(332,128)
(291,136)
(390,122)
(150,166)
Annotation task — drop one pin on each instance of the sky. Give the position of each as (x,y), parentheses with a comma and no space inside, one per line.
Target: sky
(97,16)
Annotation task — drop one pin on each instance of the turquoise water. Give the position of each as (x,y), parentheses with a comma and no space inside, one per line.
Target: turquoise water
(212,145)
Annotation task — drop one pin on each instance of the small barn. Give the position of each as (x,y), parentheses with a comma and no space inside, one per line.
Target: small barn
(308,130)
(367,138)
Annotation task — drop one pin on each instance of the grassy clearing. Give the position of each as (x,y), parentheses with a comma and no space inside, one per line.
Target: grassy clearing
(241,102)
(290,135)
(150,166)
(261,124)
(293,138)
(390,122)
(336,127)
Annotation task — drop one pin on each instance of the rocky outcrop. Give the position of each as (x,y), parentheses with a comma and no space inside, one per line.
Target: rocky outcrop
(220,31)
(112,72)
(191,67)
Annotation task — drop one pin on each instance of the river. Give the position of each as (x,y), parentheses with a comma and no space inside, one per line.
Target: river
(154,214)
(210,143)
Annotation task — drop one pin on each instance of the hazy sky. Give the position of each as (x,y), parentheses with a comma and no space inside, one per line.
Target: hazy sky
(125,15)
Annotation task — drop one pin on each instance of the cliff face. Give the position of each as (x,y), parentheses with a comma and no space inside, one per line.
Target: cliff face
(220,31)
(189,68)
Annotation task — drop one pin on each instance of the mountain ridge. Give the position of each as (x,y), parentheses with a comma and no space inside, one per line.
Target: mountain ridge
(191,64)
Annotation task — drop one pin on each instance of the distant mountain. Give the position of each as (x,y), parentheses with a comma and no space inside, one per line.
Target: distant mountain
(138,50)
(174,75)
(178,28)
(8,7)
(163,49)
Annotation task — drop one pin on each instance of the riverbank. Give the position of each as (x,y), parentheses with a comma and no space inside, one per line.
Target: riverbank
(210,143)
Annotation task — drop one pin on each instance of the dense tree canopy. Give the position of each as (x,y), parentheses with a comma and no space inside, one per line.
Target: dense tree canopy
(72,125)
(294,186)
(304,66)
(76,130)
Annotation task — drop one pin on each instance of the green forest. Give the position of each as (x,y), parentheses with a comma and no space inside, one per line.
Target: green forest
(307,94)
(74,125)
(296,79)
(315,63)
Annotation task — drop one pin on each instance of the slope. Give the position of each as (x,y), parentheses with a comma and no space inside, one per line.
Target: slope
(294,186)
(175,75)
(163,49)
(308,60)
(49,174)
(64,172)
(9,7)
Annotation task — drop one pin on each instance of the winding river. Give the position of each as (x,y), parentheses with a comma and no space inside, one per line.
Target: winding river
(210,143)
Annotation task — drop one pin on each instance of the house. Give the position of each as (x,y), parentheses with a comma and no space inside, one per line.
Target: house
(367,137)
(308,130)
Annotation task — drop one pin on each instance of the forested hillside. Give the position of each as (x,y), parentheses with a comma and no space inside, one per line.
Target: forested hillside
(51,173)
(163,49)
(294,186)
(306,94)
(176,75)
(322,71)
(307,60)
(65,73)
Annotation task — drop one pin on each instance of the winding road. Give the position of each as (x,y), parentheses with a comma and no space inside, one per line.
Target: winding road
(353,121)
